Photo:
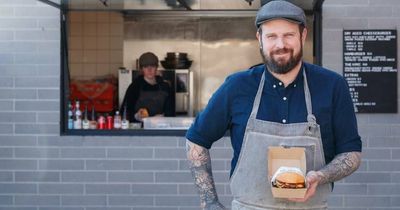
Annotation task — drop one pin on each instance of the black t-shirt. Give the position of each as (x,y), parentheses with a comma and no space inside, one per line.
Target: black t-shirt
(139,84)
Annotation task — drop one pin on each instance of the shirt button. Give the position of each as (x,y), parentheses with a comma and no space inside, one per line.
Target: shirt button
(280,83)
(274,86)
(284,98)
(294,85)
(284,121)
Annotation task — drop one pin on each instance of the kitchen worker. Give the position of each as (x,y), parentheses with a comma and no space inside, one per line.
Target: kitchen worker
(282,102)
(149,94)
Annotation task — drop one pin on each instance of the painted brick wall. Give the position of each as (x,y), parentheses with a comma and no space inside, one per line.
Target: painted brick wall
(376,184)
(39,170)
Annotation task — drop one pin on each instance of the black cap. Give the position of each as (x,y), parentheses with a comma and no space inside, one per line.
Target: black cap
(148,59)
(280,9)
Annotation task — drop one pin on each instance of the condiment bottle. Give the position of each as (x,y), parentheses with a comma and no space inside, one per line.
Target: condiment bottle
(70,116)
(93,122)
(109,122)
(101,122)
(117,120)
(77,117)
(85,121)
(125,121)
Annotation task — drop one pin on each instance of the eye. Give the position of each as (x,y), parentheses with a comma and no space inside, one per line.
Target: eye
(270,36)
(290,35)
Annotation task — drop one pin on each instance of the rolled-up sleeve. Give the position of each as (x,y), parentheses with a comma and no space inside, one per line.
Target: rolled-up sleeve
(212,123)
(344,119)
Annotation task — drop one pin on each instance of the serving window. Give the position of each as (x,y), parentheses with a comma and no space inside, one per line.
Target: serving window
(196,50)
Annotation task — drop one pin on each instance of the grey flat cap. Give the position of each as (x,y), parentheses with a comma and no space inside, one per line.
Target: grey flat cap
(280,9)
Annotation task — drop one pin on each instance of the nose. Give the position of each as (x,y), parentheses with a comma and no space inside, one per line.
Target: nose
(279,43)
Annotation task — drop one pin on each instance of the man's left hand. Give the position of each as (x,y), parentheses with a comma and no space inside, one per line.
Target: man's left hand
(312,181)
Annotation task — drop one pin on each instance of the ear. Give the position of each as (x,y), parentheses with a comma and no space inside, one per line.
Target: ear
(304,36)
(258,35)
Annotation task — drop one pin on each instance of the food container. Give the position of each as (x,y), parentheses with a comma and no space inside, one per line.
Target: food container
(286,157)
(135,125)
(172,123)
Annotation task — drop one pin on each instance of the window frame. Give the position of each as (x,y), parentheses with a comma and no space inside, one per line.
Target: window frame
(65,78)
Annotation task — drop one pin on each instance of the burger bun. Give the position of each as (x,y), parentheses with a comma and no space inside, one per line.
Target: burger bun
(288,177)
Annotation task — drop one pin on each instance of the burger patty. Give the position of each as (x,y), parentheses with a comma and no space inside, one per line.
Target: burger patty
(279,184)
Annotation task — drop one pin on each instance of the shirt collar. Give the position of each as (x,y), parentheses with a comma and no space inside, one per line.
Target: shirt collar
(273,82)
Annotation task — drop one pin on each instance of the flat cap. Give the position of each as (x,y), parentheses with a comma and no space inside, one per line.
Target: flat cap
(148,59)
(280,9)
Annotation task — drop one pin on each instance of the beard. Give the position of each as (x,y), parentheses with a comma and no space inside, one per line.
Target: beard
(280,65)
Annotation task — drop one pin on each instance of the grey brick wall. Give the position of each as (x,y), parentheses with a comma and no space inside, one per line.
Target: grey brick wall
(40,170)
(375,185)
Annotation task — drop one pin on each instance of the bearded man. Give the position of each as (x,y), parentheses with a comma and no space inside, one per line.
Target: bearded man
(283,102)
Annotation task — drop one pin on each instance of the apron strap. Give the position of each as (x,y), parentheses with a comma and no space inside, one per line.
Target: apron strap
(257,99)
(310,117)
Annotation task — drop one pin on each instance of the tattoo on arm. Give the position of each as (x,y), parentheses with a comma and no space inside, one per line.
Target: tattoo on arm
(341,166)
(200,166)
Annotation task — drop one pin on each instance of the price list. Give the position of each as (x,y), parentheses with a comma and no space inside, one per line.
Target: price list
(370,69)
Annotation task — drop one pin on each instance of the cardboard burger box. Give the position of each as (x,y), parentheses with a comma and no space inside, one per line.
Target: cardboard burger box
(286,157)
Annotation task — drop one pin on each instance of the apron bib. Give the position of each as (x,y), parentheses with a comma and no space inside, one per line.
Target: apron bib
(249,183)
(153,101)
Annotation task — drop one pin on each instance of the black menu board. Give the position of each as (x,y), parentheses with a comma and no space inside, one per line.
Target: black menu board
(370,69)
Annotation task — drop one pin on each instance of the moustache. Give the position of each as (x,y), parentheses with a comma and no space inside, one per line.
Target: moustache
(281,51)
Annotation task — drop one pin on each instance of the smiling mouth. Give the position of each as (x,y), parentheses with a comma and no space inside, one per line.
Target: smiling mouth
(282,51)
(280,54)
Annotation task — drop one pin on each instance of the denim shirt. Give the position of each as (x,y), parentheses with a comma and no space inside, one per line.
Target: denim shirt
(230,106)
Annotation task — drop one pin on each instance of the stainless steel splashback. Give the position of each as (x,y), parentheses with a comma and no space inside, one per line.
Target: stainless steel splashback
(217,46)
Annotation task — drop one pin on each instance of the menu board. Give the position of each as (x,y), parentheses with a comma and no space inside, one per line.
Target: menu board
(370,69)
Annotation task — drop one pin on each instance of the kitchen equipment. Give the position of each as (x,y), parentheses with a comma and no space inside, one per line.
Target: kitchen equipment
(183,92)
(124,80)
(176,60)
(176,64)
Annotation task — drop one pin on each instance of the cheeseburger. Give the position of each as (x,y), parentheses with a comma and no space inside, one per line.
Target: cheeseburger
(288,177)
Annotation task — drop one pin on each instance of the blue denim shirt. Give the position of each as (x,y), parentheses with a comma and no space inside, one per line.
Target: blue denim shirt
(230,106)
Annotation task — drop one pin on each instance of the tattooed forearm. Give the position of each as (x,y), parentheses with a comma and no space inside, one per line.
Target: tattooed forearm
(200,166)
(341,166)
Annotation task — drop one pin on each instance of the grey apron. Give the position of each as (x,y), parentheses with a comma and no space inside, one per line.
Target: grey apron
(250,184)
(153,101)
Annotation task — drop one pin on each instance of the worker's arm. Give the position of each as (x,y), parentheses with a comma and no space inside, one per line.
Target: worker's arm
(200,166)
(341,166)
